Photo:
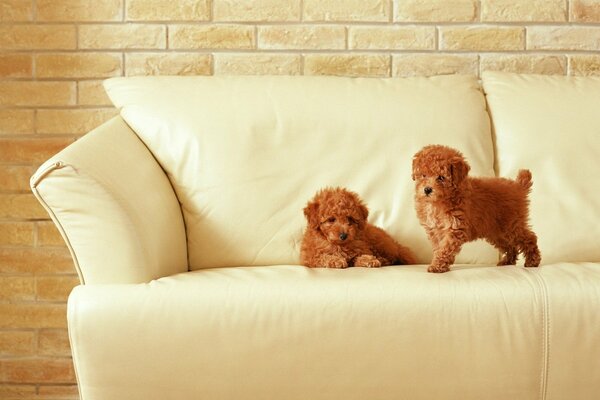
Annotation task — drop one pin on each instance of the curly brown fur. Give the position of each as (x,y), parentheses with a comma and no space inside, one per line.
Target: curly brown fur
(339,236)
(455,208)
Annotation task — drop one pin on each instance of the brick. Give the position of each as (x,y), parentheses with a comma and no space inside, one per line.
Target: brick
(524,63)
(55,288)
(34,315)
(585,65)
(15,178)
(435,11)
(32,93)
(404,65)
(347,65)
(59,391)
(585,10)
(523,10)
(48,234)
(563,37)
(301,37)
(21,206)
(346,10)
(17,288)
(482,38)
(16,234)
(73,121)
(78,65)
(256,10)
(37,37)
(36,260)
(10,391)
(16,122)
(92,93)
(79,10)
(16,343)
(167,64)
(53,342)
(37,370)
(391,38)
(16,10)
(258,64)
(16,65)
(122,36)
(168,10)
(211,37)
(31,150)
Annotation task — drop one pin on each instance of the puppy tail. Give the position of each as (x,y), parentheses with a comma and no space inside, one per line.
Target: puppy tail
(524,179)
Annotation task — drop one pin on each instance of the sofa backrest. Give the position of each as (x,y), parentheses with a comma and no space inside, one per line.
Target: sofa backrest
(245,154)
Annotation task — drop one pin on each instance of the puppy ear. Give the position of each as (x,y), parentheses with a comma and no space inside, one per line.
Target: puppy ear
(364,213)
(459,169)
(414,167)
(311,212)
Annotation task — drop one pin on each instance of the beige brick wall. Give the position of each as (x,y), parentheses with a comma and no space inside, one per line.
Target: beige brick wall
(55,53)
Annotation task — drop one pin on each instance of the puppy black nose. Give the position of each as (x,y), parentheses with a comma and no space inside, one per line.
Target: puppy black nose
(343,236)
(427,190)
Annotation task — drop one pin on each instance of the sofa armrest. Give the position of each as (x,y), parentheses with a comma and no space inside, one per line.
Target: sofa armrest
(114,207)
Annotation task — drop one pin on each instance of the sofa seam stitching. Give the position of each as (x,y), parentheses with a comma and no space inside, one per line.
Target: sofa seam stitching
(545,336)
(548,323)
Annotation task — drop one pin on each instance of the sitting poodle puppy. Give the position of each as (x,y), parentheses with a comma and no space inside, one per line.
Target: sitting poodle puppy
(455,209)
(338,234)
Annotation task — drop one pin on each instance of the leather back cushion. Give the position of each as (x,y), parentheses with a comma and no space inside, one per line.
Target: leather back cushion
(551,125)
(245,154)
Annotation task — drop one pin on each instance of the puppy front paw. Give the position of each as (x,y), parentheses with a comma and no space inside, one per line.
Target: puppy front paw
(438,268)
(334,262)
(367,261)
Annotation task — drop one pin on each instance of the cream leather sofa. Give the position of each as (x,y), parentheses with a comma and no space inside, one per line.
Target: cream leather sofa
(184,217)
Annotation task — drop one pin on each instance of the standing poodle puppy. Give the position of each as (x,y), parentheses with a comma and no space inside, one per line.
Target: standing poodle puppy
(455,209)
(338,234)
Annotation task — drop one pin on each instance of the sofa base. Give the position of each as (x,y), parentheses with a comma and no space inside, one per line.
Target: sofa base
(289,332)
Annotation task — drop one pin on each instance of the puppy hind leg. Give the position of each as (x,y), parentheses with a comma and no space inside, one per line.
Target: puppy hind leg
(529,248)
(509,257)
(384,261)
(509,254)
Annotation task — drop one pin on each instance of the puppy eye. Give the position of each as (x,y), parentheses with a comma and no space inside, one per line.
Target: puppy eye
(352,221)
(441,178)
(424,176)
(331,219)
